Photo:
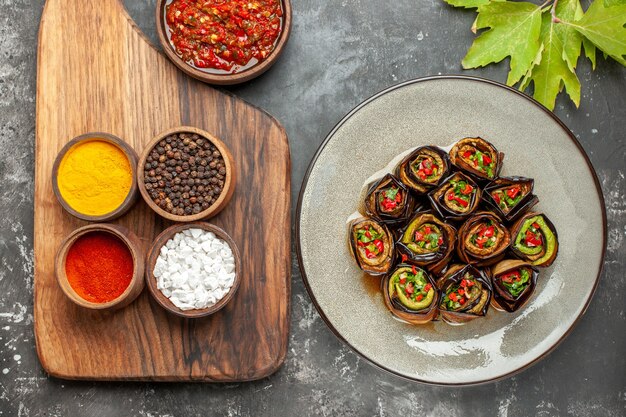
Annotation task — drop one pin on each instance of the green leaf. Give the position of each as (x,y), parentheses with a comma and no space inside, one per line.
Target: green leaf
(590,52)
(552,72)
(609,3)
(514,31)
(468,4)
(572,40)
(604,27)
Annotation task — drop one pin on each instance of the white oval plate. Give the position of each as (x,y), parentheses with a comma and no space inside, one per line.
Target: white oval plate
(440,111)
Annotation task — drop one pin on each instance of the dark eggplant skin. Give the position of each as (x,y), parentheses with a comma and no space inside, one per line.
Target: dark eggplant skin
(534,259)
(502,299)
(464,250)
(453,276)
(385,263)
(373,209)
(402,312)
(438,203)
(404,172)
(483,146)
(520,208)
(434,261)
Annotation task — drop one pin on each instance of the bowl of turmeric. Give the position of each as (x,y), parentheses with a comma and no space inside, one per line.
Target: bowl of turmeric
(100,267)
(94,177)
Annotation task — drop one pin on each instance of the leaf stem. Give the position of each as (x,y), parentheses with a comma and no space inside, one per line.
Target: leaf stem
(553,12)
(545,3)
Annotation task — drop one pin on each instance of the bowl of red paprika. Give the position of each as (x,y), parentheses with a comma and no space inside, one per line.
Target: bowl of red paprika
(100,267)
(220,42)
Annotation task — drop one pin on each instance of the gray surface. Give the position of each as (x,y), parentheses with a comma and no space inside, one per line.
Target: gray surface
(339,54)
(438,112)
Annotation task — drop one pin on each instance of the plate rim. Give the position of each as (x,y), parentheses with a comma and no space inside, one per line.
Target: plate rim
(327,139)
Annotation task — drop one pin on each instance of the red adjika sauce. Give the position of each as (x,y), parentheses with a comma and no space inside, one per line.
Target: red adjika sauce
(224,35)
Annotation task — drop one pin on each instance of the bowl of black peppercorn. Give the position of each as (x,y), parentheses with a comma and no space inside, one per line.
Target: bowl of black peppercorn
(186,174)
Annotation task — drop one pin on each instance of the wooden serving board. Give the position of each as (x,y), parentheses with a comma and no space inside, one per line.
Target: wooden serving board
(96,72)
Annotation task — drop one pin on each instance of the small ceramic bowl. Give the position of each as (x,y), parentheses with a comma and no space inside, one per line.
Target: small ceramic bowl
(136,284)
(217,78)
(229,182)
(151,281)
(130,199)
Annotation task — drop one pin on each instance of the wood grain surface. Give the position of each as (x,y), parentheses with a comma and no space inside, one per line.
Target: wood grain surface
(96,72)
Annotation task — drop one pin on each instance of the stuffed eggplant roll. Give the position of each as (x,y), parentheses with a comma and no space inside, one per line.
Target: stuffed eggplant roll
(389,201)
(410,294)
(535,239)
(456,198)
(465,294)
(427,241)
(371,245)
(423,169)
(477,157)
(483,239)
(510,196)
(513,284)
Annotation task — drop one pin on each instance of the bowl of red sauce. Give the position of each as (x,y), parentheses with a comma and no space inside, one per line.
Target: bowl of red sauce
(223,42)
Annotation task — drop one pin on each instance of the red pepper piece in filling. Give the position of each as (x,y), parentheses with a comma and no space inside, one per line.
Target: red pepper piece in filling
(467,190)
(486,159)
(468,154)
(508,278)
(513,191)
(459,200)
(532,240)
(379,245)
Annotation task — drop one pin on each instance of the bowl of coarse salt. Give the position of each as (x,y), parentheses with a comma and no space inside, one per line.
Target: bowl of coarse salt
(193,269)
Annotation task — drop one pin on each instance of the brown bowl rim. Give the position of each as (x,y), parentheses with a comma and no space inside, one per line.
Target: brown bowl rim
(153,254)
(136,285)
(132,157)
(229,183)
(223,79)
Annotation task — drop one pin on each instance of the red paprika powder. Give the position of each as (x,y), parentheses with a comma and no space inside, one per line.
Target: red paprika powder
(99,267)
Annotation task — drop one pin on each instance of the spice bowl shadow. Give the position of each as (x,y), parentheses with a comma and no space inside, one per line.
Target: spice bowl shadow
(136,284)
(219,78)
(230,176)
(130,154)
(153,254)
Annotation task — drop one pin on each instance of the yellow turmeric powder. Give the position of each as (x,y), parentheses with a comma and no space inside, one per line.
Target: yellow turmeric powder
(94,177)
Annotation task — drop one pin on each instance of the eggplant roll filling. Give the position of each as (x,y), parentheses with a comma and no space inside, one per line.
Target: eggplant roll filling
(372,246)
(424,168)
(513,284)
(476,156)
(388,200)
(483,236)
(458,196)
(427,239)
(535,239)
(410,289)
(510,196)
(468,295)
